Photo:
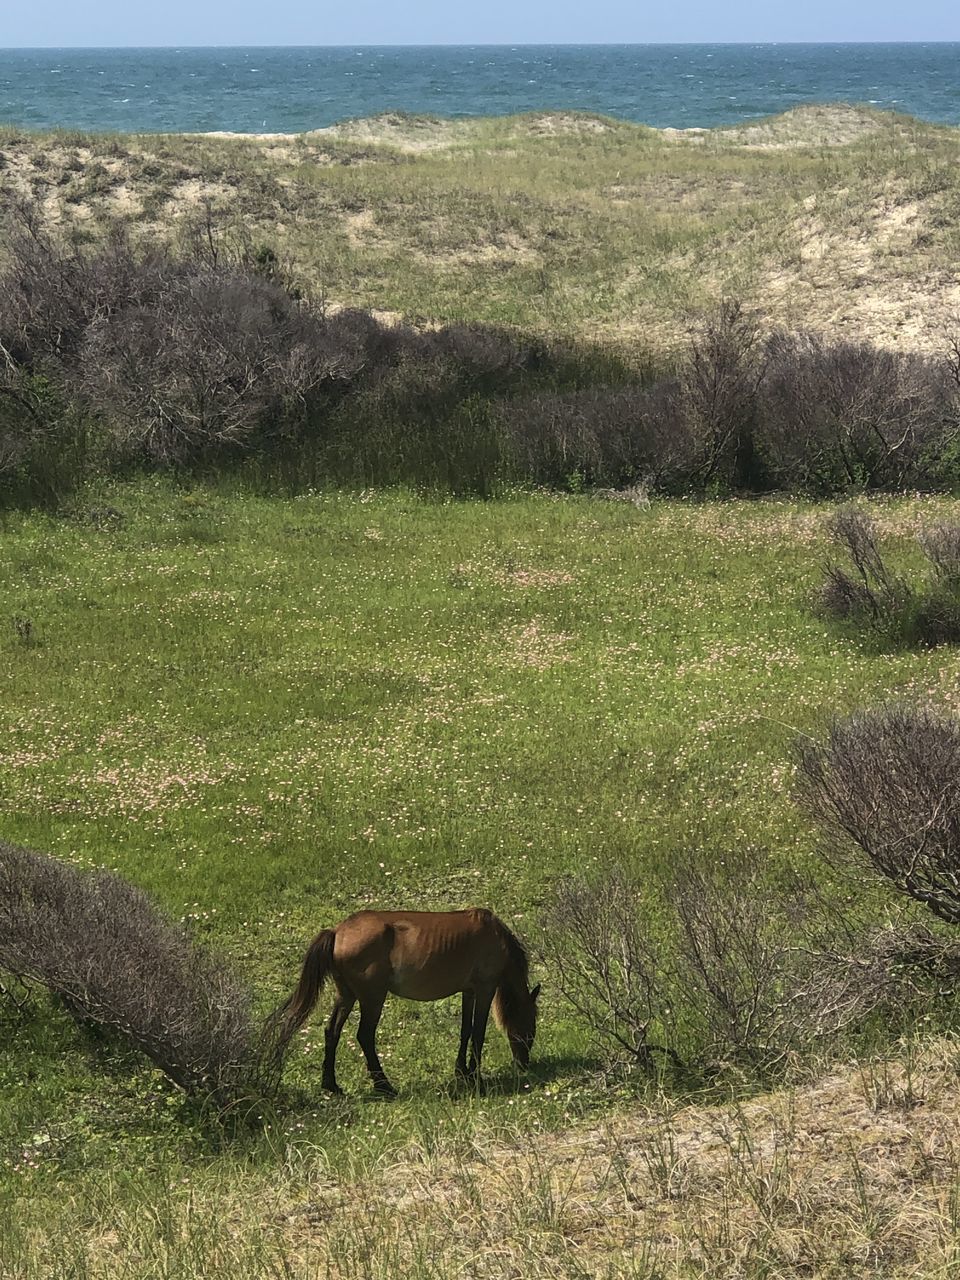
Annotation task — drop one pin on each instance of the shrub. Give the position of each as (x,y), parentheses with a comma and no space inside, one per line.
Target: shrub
(737,960)
(606,963)
(710,973)
(720,376)
(52,288)
(893,971)
(224,356)
(101,946)
(114,353)
(604,436)
(840,415)
(42,439)
(884,787)
(872,594)
(875,598)
(706,985)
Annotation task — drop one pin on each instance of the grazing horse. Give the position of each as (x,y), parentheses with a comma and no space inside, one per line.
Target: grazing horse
(420,955)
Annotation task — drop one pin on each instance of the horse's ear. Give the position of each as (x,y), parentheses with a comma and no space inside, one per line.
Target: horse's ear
(535,992)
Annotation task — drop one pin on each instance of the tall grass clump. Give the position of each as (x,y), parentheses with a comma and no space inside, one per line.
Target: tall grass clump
(99,944)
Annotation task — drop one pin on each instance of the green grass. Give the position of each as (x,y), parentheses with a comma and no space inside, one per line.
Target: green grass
(271,712)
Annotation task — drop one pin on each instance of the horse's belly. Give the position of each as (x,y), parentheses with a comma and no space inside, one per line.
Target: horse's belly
(424,984)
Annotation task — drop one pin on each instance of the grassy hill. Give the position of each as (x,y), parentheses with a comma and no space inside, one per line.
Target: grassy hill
(838,217)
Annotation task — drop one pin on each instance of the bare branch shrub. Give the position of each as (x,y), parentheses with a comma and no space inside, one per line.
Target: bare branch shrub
(603,435)
(926,613)
(892,970)
(101,945)
(708,984)
(713,970)
(606,964)
(873,593)
(941,545)
(719,379)
(885,790)
(847,414)
(737,951)
(24,428)
(482,351)
(221,356)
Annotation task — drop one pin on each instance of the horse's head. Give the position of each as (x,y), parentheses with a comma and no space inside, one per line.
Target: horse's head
(523,1027)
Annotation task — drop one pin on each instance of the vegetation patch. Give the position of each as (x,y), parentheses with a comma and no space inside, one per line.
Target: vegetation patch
(835,218)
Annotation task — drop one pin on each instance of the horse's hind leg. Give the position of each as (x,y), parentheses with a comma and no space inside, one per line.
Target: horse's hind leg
(331,1037)
(466,1030)
(370,1011)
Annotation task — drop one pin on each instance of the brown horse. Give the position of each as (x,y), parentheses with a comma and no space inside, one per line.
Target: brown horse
(420,955)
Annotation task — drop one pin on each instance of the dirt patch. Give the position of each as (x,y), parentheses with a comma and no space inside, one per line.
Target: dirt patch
(535,645)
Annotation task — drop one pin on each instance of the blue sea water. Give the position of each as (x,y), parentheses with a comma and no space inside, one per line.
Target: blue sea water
(293,89)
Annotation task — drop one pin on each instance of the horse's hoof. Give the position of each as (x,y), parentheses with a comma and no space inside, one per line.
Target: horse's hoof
(384,1089)
(469,1080)
(334,1089)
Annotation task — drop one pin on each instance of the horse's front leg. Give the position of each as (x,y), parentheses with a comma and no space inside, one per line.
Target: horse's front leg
(466,1030)
(481,1011)
(370,1011)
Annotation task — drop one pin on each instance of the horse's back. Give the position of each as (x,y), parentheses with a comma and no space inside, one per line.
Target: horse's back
(422,955)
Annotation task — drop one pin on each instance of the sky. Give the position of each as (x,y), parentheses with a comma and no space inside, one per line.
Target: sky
(99,23)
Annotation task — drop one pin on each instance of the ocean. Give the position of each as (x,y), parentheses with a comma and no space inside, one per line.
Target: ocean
(285,90)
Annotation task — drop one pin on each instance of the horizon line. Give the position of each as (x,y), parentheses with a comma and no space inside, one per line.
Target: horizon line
(474,44)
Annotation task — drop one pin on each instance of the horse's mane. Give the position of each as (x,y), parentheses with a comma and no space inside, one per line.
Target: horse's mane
(519,960)
(513,984)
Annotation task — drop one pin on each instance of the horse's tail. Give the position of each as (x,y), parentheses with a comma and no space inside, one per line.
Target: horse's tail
(280,1028)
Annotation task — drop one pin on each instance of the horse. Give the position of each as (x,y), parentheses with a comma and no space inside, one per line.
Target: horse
(419,955)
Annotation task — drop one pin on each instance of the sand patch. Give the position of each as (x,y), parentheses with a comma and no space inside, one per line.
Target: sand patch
(508,249)
(192,193)
(842,282)
(362,230)
(557,124)
(853,1174)
(407,133)
(832,125)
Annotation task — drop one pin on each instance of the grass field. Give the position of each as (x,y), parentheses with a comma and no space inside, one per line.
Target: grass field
(268,712)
